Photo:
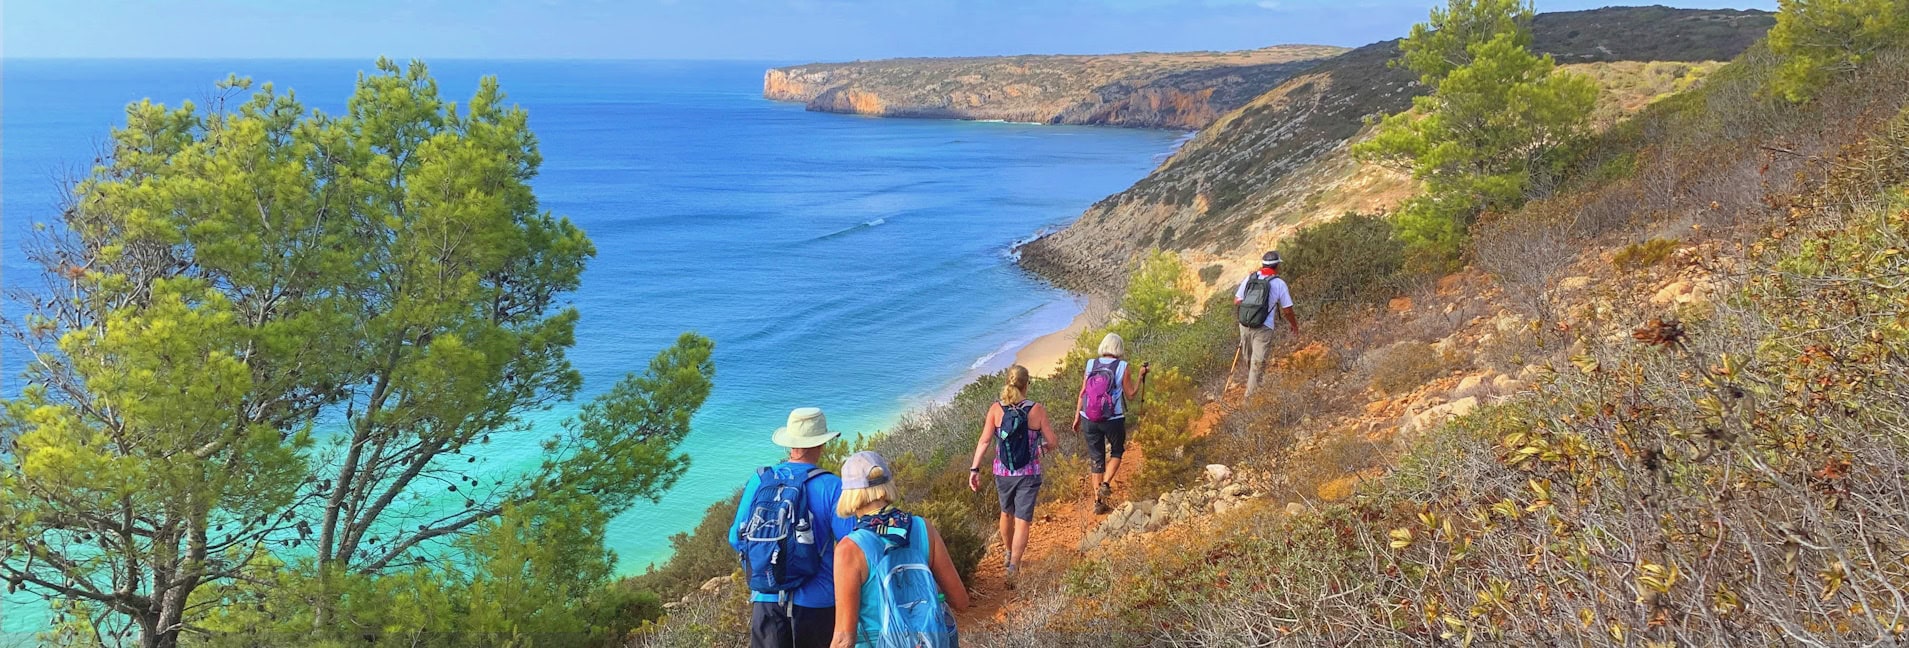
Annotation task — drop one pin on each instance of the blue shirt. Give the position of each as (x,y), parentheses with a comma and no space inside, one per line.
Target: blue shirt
(824,491)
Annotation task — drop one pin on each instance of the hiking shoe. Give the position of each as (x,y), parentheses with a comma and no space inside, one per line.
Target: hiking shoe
(1014,573)
(1101,507)
(1106,490)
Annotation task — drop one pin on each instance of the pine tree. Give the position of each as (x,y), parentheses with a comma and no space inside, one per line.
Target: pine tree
(270,330)
(1496,113)
(1819,39)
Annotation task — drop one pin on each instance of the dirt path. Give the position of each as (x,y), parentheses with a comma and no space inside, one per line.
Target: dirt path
(1054,542)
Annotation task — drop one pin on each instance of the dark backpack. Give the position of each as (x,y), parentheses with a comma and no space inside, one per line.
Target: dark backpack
(1012,447)
(1098,391)
(1257,304)
(780,550)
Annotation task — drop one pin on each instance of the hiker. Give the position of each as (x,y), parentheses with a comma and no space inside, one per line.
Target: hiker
(786,528)
(1018,430)
(894,580)
(1262,300)
(1103,408)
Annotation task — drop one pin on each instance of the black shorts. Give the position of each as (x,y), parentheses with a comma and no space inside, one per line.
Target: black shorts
(1105,439)
(1018,494)
(773,626)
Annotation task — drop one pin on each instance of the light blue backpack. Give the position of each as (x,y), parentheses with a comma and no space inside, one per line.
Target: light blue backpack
(901,604)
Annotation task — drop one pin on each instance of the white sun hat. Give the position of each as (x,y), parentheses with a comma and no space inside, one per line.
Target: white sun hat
(807,428)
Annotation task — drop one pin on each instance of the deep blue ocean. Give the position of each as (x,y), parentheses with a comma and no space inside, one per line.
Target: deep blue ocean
(854,264)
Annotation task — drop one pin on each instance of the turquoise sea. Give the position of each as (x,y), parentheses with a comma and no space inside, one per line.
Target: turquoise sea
(859,265)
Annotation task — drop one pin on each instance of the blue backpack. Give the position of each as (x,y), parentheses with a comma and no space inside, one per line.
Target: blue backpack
(901,603)
(780,550)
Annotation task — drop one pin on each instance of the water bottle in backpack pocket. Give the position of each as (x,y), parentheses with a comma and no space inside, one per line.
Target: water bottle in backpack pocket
(780,550)
(1013,446)
(909,612)
(1099,392)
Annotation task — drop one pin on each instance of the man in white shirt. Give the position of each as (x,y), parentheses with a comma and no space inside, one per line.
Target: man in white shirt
(1262,300)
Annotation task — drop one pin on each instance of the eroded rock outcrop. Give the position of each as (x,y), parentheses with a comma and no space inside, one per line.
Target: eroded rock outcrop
(1150,90)
(1258,171)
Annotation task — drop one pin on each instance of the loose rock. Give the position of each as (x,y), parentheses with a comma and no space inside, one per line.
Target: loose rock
(1217,473)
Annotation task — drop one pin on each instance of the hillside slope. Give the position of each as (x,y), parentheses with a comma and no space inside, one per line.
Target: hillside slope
(1149,90)
(1273,153)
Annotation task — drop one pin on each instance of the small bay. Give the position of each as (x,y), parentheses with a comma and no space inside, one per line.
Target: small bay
(855,264)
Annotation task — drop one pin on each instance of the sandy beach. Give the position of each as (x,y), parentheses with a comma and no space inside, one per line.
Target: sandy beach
(1043,356)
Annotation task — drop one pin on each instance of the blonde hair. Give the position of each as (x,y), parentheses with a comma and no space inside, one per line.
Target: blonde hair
(857,502)
(1112,346)
(1015,390)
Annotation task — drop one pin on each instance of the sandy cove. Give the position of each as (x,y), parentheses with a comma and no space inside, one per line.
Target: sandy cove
(1043,356)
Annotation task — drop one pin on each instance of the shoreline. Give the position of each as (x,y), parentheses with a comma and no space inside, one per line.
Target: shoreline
(1043,355)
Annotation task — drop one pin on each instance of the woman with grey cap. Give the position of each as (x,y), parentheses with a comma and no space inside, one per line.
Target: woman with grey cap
(894,581)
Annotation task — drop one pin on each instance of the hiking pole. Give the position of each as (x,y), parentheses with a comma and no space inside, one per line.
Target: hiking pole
(1239,349)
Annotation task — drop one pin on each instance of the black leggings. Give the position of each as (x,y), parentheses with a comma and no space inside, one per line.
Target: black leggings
(1105,439)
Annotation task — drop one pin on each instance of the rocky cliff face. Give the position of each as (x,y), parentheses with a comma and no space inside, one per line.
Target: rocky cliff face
(1271,159)
(1181,90)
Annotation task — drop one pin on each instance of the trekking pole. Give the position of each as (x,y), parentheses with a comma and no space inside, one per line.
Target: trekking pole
(1239,349)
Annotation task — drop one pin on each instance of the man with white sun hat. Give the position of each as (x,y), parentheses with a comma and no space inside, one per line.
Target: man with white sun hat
(785,530)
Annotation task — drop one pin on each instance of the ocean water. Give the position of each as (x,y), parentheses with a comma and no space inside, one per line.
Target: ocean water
(854,264)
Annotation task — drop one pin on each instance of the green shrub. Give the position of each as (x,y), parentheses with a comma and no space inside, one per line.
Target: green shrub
(1823,39)
(1163,429)
(696,556)
(967,542)
(1353,257)
(1404,366)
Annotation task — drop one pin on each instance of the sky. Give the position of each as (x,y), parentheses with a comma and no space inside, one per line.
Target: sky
(769,30)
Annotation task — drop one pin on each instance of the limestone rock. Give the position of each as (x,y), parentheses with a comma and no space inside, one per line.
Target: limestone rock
(1092,541)
(1676,292)
(1507,385)
(1162,517)
(1235,491)
(1186,511)
(714,584)
(1507,322)
(1217,473)
(1436,415)
(1137,520)
(1473,385)
(1295,508)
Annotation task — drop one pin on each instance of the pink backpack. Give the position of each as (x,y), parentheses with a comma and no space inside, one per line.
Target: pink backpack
(1098,393)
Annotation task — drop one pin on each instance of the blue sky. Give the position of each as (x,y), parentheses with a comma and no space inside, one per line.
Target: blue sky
(793,30)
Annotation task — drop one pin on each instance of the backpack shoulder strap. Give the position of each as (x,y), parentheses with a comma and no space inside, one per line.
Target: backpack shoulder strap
(872,547)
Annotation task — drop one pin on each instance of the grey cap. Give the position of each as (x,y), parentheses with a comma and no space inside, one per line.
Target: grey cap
(1270,259)
(856,469)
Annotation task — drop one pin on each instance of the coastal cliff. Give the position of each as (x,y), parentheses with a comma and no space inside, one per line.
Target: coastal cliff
(1279,158)
(1146,90)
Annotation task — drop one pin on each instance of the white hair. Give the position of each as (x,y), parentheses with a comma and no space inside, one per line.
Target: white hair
(1113,346)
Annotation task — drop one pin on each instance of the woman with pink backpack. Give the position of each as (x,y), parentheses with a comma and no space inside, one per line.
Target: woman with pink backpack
(1104,396)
